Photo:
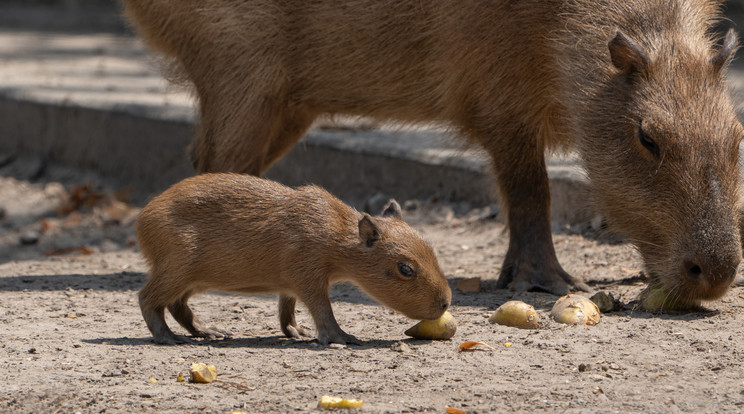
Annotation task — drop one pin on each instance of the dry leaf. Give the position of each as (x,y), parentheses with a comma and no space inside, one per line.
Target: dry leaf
(72,220)
(453,410)
(152,380)
(66,250)
(469,345)
(48,225)
(472,284)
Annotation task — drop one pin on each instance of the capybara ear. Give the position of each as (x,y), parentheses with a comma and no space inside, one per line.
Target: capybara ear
(727,50)
(392,210)
(368,231)
(626,54)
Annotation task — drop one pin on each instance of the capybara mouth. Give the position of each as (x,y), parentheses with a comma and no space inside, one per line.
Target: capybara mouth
(686,291)
(431,315)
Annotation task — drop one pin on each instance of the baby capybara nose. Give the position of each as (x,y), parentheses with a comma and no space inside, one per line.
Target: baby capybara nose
(713,269)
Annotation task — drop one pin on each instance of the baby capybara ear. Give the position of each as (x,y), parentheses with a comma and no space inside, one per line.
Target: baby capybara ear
(626,55)
(392,209)
(727,50)
(368,232)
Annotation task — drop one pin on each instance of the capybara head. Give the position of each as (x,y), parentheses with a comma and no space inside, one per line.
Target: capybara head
(401,269)
(662,150)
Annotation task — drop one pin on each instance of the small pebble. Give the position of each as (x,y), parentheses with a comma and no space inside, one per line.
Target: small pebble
(400,347)
(29,238)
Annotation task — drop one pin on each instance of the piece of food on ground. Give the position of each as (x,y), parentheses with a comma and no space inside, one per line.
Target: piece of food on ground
(517,314)
(442,328)
(328,402)
(575,310)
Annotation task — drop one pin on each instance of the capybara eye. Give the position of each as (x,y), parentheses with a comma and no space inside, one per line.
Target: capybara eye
(647,142)
(406,270)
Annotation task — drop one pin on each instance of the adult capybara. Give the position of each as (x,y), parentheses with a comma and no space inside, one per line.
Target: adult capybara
(636,87)
(244,234)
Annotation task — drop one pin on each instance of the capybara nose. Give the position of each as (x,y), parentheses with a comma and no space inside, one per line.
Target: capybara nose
(445,305)
(714,269)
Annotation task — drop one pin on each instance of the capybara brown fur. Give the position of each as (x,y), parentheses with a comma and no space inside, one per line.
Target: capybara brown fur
(636,87)
(243,234)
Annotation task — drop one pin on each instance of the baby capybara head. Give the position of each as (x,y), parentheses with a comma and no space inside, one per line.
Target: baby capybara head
(401,270)
(662,151)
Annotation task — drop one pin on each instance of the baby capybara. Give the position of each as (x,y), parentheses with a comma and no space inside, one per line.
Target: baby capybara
(243,234)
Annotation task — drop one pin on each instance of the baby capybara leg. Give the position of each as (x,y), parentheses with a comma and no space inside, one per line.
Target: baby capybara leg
(157,293)
(319,304)
(184,316)
(287,317)
(153,300)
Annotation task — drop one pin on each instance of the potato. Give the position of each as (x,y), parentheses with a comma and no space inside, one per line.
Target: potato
(442,328)
(515,313)
(328,402)
(575,310)
(203,373)
(656,298)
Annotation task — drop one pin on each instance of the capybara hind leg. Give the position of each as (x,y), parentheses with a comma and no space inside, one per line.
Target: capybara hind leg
(246,139)
(296,122)
(184,316)
(155,320)
(287,317)
(530,263)
(153,298)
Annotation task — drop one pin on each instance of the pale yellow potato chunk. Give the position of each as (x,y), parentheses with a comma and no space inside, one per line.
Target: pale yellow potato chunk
(517,314)
(203,373)
(442,328)
(328,402)
(575,310)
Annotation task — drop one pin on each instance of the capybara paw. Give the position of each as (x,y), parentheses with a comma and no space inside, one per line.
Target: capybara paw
(172,339)
(557,282)
(339,338)
(294,331)
(213,333)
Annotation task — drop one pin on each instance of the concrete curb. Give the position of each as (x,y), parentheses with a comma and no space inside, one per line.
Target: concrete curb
(146,148)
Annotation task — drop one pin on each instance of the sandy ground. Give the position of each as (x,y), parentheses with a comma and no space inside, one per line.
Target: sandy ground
(74,339)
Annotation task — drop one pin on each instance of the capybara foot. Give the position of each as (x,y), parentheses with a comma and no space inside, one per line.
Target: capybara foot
(528,278)
(339,337)
(171,339)
(294,331)
(212,333)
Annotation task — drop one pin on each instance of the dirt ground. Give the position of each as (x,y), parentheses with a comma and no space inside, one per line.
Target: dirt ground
(74,339)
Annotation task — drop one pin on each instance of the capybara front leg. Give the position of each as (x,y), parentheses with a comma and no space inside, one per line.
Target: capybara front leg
(184,316)
(287,317)
(530,263)
(319,304)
